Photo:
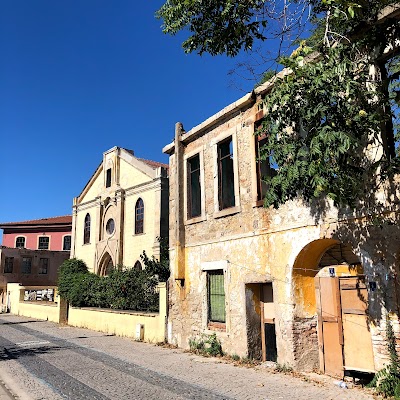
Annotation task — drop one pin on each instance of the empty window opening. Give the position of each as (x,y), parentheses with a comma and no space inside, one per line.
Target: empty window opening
(86,230)
(26,267)
(9,265)
(67,243)
(108,177)
(226,175)
(216,296)
(43,243)
(264,167)
(139,216)
(194,187)
(20,242)
(43,266)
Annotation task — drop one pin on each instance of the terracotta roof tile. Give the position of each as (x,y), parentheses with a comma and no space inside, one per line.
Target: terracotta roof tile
(65,219)
(154,164)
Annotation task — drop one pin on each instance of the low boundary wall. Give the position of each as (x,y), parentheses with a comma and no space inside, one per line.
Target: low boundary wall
(152,326)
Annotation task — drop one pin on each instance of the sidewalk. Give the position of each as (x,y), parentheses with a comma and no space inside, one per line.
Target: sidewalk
(5,394)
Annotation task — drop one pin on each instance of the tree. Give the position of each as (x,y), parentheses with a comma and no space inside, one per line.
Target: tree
(322,145)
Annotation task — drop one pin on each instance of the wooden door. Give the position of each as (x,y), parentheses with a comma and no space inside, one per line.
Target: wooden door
(330,335)
(268,335)
(358,354)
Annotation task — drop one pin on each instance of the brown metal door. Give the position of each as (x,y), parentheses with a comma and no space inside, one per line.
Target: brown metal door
(358,353)
(330,334)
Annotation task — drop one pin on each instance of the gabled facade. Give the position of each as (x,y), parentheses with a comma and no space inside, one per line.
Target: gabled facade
(122,211)
(292,285)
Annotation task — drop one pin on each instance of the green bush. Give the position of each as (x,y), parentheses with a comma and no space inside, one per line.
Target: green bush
(387,380)
(125,289)
(208,345)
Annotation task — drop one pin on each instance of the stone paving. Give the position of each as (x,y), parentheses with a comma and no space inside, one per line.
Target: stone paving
(41,360)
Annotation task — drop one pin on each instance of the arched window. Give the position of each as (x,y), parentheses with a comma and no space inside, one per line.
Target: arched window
(139,216)
(138,266)
(86,230)
(20,242)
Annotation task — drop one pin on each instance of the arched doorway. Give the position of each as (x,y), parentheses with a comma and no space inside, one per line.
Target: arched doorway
(331,301)
(106,265)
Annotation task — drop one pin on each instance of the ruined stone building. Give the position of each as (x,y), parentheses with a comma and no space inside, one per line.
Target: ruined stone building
(290,285)
(121,211)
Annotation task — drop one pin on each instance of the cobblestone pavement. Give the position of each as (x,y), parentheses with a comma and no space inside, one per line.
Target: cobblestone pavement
(41,360)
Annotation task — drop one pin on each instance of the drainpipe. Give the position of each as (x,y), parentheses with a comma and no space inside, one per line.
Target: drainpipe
(179,207)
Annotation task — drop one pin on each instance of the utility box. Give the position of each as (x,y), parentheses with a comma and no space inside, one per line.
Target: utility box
(139,332)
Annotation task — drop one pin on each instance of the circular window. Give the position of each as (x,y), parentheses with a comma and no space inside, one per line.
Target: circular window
(110,226)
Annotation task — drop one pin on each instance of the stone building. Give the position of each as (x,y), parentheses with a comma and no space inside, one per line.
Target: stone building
(296,285)
(121,211)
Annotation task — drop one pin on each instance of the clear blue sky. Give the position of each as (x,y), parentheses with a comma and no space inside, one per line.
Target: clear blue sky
(79,77)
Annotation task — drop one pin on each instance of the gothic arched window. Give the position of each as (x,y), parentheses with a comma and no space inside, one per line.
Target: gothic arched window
(139,216)
(86,230)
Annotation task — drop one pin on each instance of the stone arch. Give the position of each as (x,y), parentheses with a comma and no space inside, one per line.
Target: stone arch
(313,260)
(106,265)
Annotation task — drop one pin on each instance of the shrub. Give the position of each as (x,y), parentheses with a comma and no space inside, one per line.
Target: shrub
(208,345)
(125,289)
(387,380)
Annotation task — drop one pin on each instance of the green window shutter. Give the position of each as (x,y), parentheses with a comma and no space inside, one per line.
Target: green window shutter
(216,296)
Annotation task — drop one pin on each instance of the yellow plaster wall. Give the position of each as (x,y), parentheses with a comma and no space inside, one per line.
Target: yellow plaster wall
(135,244)
(86,252)
(123,323)
(131,176)
(44,311)
(95,188)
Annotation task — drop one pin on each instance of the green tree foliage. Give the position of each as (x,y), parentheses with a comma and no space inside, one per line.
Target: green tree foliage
(125,289)
(158,268)
(323,117)
(387,380)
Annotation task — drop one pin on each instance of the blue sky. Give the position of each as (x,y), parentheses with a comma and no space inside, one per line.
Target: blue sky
(79,77)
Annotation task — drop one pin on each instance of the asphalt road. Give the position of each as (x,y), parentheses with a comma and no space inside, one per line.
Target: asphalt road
(41,360)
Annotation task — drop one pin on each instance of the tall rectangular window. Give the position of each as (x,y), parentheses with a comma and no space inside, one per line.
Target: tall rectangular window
(43,265)
(8,265)
(108,177)
(216,296)
(226,174)
(194,187)
(26,267)
(67,243)
(263,169)
(43,243)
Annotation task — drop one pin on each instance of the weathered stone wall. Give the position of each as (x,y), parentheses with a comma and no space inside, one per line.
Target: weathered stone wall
(305,339)
(258,245)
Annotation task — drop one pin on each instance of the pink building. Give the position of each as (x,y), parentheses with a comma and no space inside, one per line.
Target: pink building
(39,234)
(33,251)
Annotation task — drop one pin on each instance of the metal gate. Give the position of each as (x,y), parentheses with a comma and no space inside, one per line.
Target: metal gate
(343,335)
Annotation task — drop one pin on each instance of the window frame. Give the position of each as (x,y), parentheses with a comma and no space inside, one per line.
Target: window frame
(16,240)
(202,217)
(6,269)
(40,272)
(39,244)
(139,211)
(108,177)
(86,229)
(70,242)
(210,320)
(23,265)
(236,208)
